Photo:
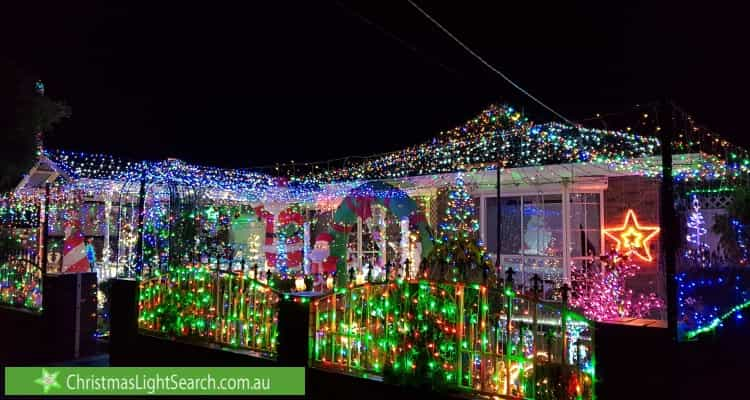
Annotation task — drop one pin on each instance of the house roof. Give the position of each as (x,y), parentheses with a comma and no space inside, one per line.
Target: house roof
(530,153)
(497,131)
(500,132)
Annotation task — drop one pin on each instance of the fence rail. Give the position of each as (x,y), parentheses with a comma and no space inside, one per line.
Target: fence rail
(212,306)
(455,337)
(20,280)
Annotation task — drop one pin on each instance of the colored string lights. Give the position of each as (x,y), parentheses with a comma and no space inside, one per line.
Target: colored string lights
(454,336)
(741,236)
(708,297)
(197,302)
(473,146)
(695,224)
(698,250)
(458,255)
(20,282)
(600,291)
(717,322)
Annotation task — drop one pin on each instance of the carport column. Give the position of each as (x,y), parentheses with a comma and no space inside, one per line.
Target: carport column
(360,247)
(404,245)
(566,229)
(139,241)
(104,272)
(306,242)
(43,229)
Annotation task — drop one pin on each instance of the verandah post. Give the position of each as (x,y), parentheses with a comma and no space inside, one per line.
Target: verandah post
(667,216)
(43,239)
(139,241)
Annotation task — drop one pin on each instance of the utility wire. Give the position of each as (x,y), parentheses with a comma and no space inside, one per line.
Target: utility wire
(488,65)
(400,41)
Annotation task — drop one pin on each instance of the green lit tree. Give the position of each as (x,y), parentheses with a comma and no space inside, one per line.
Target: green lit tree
(458,255)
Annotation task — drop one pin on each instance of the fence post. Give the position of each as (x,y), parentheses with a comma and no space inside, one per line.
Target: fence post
(536,281)
(668,217)
(460,298)
(124,321)
(564,322)
(508,311)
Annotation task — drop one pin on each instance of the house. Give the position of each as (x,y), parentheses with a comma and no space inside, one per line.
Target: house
(568,195)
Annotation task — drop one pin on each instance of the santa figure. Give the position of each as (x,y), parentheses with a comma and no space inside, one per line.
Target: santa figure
(322,263)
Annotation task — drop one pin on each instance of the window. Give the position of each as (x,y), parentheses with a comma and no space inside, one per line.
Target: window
(531,230)
(585,225)
(511,225)
(542,225)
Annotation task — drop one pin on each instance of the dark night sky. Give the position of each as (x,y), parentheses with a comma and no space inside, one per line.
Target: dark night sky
(251,84)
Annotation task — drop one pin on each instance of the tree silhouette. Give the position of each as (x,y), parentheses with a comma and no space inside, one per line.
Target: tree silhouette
(25,115)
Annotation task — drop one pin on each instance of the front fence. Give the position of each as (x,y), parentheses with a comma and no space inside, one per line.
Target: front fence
(455,337)
(20,280)
(211,306)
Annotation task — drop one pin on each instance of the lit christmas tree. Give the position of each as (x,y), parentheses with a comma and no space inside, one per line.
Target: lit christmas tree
(697,251)
(696,225)
(457,249)
(600,292)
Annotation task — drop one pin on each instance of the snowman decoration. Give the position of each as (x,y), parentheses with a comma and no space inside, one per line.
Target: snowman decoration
(537,238)
(321,260)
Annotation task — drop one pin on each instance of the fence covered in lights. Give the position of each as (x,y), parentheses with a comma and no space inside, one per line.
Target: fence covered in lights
(20,272)
(455,337)
(20,281)
(201,303)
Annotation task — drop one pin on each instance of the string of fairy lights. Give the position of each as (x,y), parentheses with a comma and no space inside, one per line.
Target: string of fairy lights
(474,147)
(427,332)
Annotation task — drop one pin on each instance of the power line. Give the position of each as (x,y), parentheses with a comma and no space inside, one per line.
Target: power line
(400,41)
(488,65)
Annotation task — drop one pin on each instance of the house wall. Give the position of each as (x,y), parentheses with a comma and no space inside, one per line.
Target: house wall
(641,194)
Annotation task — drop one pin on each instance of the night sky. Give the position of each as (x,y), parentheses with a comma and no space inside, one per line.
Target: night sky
(249,85)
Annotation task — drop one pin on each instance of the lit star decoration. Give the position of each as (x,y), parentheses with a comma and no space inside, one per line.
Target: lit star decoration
(633,238)
(48,380)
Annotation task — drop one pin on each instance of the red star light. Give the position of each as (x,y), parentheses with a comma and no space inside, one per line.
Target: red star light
(633,237)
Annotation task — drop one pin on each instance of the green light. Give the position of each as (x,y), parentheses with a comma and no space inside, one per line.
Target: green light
(717,321)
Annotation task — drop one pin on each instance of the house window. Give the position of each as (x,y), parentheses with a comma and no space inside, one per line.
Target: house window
(585,225)
(531,230)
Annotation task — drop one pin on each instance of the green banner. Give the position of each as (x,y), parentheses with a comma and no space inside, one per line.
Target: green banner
(129,381)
